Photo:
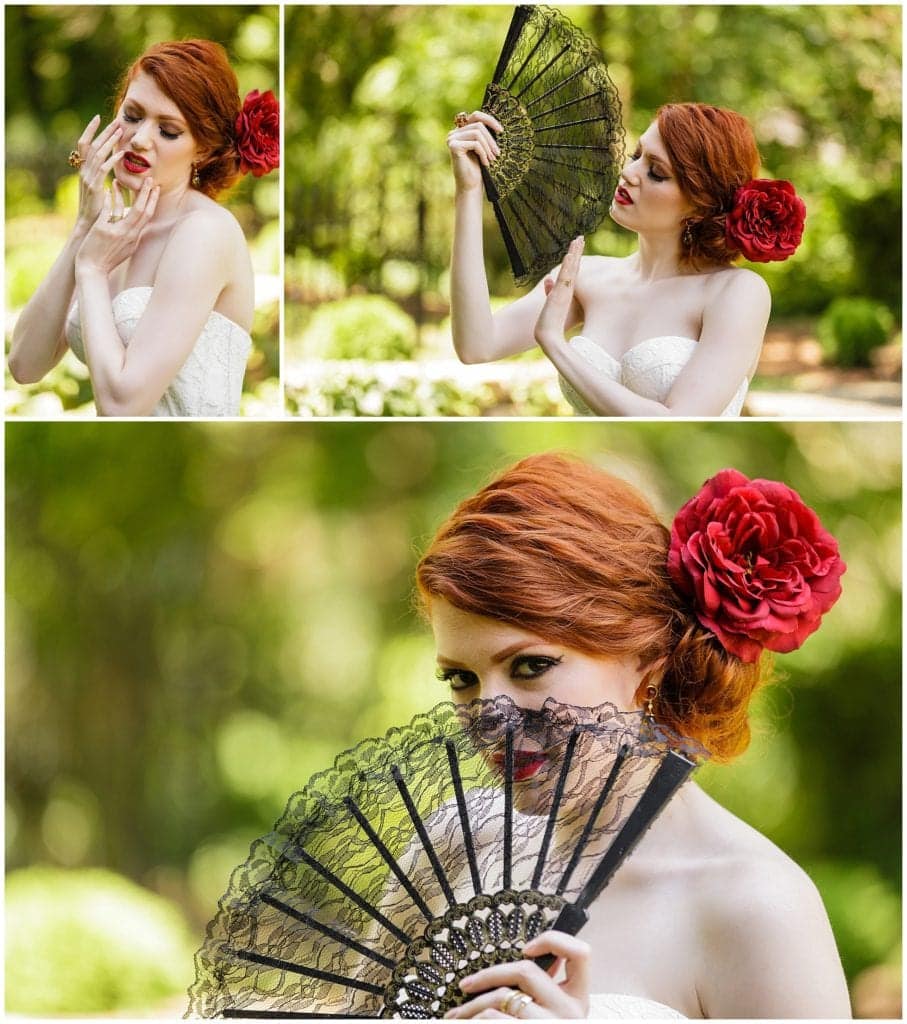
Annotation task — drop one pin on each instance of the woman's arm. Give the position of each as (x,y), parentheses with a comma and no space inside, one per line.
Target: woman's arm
(733,328)
(39,341)
(769,950)
(479,336)
(193,271)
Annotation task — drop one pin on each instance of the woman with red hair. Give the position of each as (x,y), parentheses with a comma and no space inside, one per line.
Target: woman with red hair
(155,294)
(672,330)
(558,581)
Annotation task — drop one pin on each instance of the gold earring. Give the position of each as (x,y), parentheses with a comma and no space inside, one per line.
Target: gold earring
(651,694)
(687,237)
(196,180)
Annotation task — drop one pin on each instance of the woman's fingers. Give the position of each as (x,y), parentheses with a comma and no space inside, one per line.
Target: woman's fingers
(87,135)
(481,117)
(466,146)
(114,158)
(480,141)
(552,321)
(119,207)
(575,954)
(548,998)
(566,279)
(146,201)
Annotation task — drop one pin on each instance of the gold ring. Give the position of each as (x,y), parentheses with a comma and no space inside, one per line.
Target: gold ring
(462,119)
(114,219)
(75,160)
(515,1003)
(567,280)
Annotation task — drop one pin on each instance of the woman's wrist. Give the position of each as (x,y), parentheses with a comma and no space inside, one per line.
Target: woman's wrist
(87,269)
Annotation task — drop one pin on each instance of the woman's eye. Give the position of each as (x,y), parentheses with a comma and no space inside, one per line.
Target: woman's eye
(531,666)
(169,135)
(130,118)
(656,177)
(457,678)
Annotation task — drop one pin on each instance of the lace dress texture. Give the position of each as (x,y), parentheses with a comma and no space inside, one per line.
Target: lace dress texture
(649,369)
(209,383)
(623,1007)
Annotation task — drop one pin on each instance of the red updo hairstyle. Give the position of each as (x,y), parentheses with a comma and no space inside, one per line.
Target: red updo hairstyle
(566,551)
(713,152)
(197,76)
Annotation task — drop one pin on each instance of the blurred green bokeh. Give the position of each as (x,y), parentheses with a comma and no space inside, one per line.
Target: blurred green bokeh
(372,92)
(62,68)
(200,616)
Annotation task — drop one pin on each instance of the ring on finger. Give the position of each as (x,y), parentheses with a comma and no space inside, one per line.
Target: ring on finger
(115,218)
(462,119)
(515,1003)
(567,280)
(75,159)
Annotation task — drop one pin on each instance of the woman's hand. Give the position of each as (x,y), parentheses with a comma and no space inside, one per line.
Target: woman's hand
(501,991)
(98,160)
(116,231)
(472,145)
(550,328)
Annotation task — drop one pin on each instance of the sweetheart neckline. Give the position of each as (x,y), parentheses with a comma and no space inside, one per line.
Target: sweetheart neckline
(214,312)
(633,348)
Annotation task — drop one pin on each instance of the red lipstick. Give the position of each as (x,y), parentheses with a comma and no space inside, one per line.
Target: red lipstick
(622,196)
(526,763)
(134,163)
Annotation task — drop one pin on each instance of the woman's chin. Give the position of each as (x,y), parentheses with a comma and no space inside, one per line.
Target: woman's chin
(618,216)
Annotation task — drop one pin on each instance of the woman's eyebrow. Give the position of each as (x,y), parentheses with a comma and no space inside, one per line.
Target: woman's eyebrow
(172,118)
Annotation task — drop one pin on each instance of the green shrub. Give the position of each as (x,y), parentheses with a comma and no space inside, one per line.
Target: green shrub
(363,327)
(851,328)
(90,941)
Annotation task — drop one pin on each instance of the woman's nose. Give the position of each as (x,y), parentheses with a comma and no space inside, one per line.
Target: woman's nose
(631,170)
(139,138)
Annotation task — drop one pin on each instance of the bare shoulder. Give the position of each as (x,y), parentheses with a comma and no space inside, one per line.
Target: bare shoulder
(210,222)
(768,941)
(745,871)
(739,285)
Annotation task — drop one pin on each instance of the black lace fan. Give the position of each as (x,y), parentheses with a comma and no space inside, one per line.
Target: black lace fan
(562,146)
(423,856)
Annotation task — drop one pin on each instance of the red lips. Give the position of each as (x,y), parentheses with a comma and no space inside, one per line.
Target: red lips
(622,196)
(135,164)
(526,763)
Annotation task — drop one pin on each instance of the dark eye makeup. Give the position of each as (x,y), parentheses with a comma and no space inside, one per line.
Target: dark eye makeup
(522,667)
(651,172)
(133,118)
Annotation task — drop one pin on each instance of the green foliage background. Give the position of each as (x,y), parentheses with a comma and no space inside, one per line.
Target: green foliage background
(62,67)
(372,92)
(200,616)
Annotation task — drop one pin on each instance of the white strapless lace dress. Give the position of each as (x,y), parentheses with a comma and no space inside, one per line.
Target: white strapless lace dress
(209,383)
(621,1007)
(649,369)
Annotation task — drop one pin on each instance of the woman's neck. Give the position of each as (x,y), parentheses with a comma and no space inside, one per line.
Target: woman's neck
(658,257)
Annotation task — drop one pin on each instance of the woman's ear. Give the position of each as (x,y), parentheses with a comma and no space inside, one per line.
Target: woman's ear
(652,675)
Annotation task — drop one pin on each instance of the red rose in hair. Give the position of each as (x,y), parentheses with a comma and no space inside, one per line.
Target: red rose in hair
(258,133)
(756,562)
(766,222)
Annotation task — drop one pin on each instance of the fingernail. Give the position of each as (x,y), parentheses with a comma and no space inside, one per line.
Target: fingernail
(466,983)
